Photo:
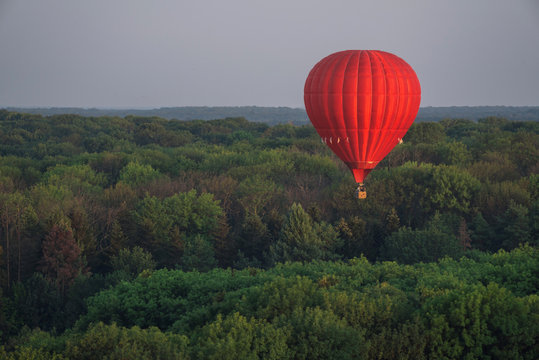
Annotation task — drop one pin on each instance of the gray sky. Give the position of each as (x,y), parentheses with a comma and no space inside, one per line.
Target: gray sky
(152,53)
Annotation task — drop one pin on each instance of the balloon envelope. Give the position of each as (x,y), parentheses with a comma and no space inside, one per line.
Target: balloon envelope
(361,103)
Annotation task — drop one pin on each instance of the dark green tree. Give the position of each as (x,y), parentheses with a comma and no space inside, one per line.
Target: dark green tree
(198,254)
(132,261)
(301,239)
(255,237)
(411,246)
(425,132)
(482,233)
(514,226)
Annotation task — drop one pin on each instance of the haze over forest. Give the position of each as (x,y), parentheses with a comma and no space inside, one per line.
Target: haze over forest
(277,115)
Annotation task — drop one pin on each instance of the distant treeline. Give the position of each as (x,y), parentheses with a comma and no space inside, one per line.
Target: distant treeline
(280,115)
(520,113)
(269,115)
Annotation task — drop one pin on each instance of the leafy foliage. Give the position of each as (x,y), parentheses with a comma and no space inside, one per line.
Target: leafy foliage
(111,342)
(453,308)
(301,239)
(130,222)
(133,261)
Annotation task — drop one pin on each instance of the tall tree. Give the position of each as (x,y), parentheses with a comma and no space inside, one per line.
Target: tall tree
(133,261)
(254,238)
(353,231)
(165,224)
(6,220)
(392,221)
(301,239)
(61,262)
(116,240)
(514,226)
(482,233)
(464,235)
(198,254)
(16,213)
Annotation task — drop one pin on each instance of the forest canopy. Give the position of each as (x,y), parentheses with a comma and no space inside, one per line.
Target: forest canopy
(152,238)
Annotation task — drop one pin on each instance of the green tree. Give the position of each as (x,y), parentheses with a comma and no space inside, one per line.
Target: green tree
(198,254)
(411,246)
(406,341)
(453,189)
(194,214)
(300,238)
(38,302)
(534,223)
(16,214)
(255,237)
(51,203)
(514,226)
(154,221)
(236,337)
(495,198)
(494,167)
(110,164)
(524,151)
(482,233)
(456,153)
(255,192)
(112,342)
(132,261)
(320,334)
(116,239)
(80,179)
(425,132)
(28,353)
(136,174)
(392,221)
(479,321)
(164,225)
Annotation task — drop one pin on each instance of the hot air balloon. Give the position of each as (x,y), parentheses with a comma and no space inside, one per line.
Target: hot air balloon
(361,103)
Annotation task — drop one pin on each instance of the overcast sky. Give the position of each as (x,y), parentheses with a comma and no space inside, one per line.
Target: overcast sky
(148,53)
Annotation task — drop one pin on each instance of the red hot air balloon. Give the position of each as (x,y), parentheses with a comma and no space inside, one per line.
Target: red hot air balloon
(361,103)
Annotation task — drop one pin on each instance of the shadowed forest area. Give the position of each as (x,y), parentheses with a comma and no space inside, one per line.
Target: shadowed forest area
(141,237)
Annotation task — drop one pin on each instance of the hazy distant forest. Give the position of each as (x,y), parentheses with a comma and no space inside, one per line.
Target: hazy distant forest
(287,115)
(145,238)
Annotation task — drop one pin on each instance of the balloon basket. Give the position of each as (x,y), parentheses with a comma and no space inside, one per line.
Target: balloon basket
(361,191)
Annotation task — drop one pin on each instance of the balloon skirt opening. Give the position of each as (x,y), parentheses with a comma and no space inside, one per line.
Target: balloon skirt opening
(360,174)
